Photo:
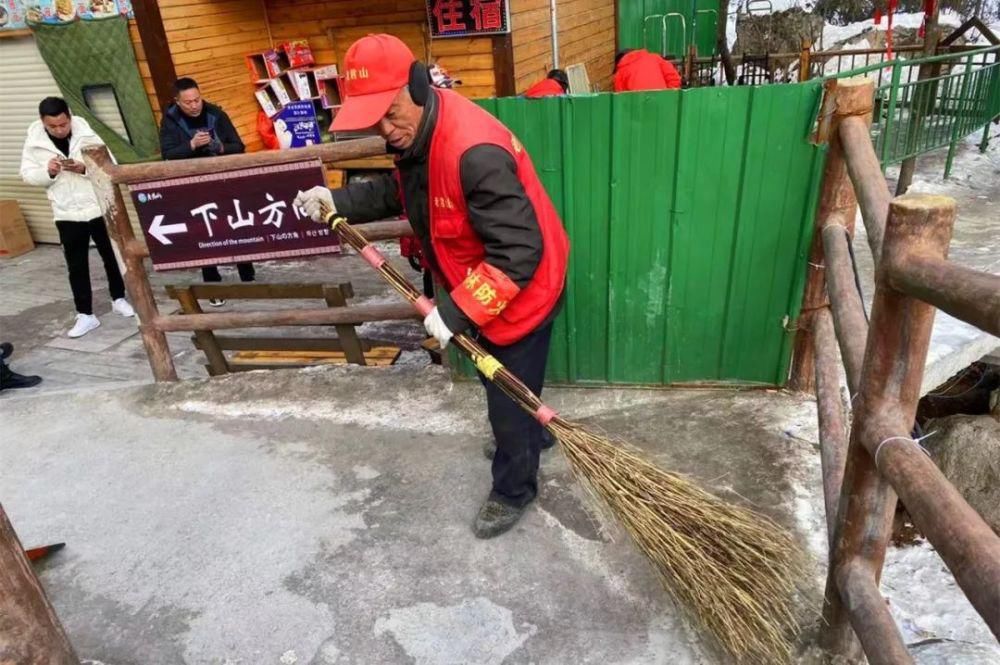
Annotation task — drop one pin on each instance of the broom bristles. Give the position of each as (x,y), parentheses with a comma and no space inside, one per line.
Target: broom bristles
(735,571)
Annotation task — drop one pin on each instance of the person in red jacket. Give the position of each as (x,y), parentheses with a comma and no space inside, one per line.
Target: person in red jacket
(487,228)
(555,84)
(641,70)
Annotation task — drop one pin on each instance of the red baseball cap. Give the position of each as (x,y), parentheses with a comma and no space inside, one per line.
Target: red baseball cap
(376,67)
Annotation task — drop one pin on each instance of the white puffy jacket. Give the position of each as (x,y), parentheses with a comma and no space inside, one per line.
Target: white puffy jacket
(72,196)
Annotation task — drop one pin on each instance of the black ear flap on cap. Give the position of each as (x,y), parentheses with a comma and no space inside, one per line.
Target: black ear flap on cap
(420,83)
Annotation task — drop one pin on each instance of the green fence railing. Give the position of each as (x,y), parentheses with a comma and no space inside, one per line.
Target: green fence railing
(924,104)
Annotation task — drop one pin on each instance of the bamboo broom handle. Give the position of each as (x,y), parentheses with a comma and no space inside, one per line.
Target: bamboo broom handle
(486,363)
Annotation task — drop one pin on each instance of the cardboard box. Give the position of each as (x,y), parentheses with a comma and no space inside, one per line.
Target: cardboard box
(328,86)
(268,101)
(301,83)
(280,92)
(297,53)
(15,239)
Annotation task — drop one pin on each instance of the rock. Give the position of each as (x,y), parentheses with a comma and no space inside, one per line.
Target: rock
(967,450)
(778,32)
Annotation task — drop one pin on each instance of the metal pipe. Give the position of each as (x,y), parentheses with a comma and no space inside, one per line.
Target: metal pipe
(966,294)
(866,176)
(554,28)
(326,152)
(870,617)
(31,630)
(832,423)
(326,316)
(845,303)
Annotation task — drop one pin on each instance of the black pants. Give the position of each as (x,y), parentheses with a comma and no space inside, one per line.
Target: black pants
(518,434)
(75,238)
(211,273)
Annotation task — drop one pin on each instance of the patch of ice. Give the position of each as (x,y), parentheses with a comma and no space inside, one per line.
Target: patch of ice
(476,632)
(925,600)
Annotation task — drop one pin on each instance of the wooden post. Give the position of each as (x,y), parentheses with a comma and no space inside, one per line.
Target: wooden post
(30,632)
(805,60)
(503,65)
(157,48)
(136,280)
(847,97)
(217,363)
(832,422)
(898,339)
(335,296)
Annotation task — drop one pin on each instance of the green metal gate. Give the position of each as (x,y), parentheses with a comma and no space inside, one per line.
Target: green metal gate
(690,214)
(668,27)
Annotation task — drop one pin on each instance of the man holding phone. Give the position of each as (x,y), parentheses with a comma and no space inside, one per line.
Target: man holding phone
(52,158)
(194,128)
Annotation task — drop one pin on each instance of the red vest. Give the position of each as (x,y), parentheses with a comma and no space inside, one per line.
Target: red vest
(545,88)
(642,70)
(503,312)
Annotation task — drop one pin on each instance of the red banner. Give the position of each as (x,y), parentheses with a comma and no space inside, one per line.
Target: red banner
(244,215)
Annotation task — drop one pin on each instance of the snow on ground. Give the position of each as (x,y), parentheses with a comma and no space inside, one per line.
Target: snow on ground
(925,601)
(850,36)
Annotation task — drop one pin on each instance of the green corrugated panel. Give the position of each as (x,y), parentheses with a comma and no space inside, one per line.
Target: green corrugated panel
(690,214)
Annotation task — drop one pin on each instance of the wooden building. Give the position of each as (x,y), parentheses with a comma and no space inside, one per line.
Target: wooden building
(209,39)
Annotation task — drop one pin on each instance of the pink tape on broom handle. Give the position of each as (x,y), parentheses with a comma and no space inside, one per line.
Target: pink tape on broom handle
(424,305)
(372,256)
(545,414)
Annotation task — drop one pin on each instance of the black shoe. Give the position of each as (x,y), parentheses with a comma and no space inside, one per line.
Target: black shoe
(5,350)
(11,379)
(490,447)
(495,518)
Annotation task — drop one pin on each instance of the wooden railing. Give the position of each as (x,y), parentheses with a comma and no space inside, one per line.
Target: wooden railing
(863,474)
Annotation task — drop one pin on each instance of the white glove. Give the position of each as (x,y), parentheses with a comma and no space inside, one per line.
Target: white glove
(437,328)
(313,202)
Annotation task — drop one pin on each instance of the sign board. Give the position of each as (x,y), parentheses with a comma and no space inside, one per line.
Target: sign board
(244,215)
(296,125)
(468,18)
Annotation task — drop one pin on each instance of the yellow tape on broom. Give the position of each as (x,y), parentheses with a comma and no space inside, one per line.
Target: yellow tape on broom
(488,365)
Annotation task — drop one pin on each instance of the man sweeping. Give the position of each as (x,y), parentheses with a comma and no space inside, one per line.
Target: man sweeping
(488,230)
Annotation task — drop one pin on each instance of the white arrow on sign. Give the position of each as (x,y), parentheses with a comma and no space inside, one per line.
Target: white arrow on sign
(160,231)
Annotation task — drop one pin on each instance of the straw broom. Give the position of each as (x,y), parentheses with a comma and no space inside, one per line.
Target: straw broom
(734,571)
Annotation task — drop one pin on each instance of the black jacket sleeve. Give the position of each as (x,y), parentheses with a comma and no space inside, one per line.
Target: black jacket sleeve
(502,216)
(174,141)
(369,200)
(226,132)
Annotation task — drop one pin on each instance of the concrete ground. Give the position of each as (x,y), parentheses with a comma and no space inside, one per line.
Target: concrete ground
(322,516)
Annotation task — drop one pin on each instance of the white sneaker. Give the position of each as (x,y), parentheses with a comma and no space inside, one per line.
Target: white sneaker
(121,306)
(84,324)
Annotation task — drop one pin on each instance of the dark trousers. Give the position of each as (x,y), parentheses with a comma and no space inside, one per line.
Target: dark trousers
(211,273)
(517,433)
(75,238)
